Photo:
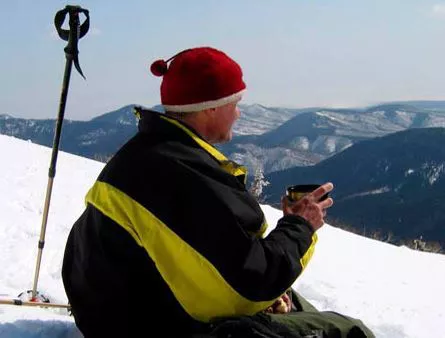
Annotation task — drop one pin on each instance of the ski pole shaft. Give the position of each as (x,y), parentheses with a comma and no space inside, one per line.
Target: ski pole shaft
(19,302)
(52,172)
(75,32)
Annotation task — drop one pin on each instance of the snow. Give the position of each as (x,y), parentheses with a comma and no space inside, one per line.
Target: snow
(409,172)
(257,120)
(331,116)
(300,142)
(381,190)
(434,171)
(396,291)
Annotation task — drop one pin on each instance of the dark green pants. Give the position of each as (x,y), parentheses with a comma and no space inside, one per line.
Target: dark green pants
(306,321)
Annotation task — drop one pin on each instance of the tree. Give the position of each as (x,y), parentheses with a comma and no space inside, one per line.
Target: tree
(259,181)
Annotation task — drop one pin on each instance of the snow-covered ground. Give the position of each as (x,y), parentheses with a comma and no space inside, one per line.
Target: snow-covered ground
(394,290)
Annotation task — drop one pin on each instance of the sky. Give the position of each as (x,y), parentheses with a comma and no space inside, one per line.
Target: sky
(294,53)
(396,291)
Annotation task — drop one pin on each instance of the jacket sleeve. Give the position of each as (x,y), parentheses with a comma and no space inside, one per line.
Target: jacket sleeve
(217,211)
(259,269)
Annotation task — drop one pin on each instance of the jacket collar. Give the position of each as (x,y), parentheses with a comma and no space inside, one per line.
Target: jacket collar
(145,116)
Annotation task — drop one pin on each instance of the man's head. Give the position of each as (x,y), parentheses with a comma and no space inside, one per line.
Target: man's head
(203,85)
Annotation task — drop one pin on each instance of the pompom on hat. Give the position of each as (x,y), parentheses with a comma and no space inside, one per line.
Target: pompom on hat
(197,79)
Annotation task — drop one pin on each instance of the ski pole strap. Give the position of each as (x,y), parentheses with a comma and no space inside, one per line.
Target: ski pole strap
(75,33)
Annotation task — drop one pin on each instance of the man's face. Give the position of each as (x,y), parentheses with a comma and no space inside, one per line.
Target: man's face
(223,119)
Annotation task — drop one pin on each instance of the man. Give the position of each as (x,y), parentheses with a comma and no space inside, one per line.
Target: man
(170,239)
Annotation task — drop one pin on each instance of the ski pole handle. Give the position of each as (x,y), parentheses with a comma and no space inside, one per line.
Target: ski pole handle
(76,31)
(73,11)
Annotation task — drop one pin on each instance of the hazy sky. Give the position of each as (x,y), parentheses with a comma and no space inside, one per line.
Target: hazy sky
(294,53)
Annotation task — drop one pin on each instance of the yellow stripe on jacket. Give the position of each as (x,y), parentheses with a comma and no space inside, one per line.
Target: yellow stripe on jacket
(196,283)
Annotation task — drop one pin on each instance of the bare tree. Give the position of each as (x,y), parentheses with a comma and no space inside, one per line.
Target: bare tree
(259,182)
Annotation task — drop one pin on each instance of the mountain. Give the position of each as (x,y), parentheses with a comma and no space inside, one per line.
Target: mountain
(434,106)
(100,137)
(257,119)
(394,183)
(331,130)
(279,138)
(316,134)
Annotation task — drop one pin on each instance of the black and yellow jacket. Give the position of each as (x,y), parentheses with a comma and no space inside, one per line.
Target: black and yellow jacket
(171,236)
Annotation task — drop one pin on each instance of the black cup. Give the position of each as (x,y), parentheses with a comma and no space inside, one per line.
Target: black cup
(296,192)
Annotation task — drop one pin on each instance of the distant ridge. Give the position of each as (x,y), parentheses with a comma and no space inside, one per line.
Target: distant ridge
(383,183)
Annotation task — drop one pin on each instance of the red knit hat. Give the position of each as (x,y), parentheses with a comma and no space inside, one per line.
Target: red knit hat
(197,79)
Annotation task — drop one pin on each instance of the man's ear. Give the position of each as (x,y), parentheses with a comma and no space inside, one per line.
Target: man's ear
(210,113)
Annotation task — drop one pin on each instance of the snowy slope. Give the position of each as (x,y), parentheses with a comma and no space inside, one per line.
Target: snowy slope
(256,119)
(396,291)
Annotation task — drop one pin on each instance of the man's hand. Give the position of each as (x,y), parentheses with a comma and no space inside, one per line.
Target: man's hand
(281,305)
(309,206)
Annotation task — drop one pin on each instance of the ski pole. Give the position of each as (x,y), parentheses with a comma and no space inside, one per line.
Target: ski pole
(20,302)
(76,31)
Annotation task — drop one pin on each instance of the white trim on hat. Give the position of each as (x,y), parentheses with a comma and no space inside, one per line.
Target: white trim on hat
(189,108)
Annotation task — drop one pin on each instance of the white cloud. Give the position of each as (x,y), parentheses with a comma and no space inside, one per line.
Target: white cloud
(439,10)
